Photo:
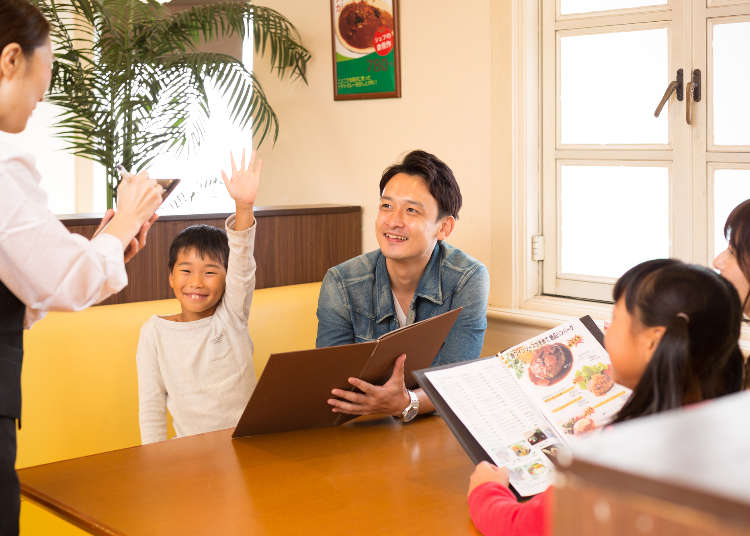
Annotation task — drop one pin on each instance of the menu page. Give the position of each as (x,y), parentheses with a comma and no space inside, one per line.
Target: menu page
(490,402)
(566,373)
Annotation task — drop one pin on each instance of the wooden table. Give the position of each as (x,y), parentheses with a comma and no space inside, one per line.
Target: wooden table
(371,477)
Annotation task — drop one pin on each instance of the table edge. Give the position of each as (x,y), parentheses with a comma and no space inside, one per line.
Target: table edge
(72,516)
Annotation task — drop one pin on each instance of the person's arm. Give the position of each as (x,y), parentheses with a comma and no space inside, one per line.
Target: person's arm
(495,510)
(44,265)
(334,318)
(152,394)
(464,342)
(240,281)
(137,243)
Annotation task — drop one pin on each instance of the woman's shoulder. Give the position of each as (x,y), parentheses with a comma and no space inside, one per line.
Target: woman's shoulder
(11,153)
(17,163)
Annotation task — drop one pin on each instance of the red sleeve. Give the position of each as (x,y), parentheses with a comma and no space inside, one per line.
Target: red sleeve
(495,511)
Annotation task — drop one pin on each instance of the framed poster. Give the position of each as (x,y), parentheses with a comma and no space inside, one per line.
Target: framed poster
(365,43)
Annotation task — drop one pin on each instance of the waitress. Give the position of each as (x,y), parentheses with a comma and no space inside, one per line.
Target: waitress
(42,266)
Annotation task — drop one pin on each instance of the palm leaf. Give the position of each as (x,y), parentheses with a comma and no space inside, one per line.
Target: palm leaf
(131,82)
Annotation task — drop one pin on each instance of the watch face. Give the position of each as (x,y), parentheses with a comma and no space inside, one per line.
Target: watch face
(410,413)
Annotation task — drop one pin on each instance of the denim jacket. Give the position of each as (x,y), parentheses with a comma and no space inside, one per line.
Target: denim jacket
(356,301)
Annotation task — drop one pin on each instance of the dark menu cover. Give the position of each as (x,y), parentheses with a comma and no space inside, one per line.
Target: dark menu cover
(292,391)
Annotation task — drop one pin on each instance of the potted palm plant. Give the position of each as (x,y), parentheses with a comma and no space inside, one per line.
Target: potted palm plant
(131,80)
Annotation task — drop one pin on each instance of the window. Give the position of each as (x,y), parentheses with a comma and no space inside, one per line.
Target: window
(617,184)
(201,190)
(67,179)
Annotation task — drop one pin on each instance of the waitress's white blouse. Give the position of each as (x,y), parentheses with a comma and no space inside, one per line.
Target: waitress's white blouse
(44,265)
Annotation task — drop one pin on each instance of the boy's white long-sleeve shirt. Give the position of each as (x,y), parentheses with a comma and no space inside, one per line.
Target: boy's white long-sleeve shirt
(201,371)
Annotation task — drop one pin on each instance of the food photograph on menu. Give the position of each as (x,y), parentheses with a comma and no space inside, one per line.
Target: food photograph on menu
(524,404)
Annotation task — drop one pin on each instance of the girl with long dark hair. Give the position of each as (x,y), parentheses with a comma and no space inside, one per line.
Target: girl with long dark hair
(673,340)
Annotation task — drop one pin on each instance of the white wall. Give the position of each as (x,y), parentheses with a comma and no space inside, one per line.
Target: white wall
(56,166)
(335,151)
(456,65)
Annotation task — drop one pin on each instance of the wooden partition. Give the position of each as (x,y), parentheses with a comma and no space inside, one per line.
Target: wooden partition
(680,473)
(293,244)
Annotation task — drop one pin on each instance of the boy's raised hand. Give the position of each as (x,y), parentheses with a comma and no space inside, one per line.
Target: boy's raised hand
(243,185)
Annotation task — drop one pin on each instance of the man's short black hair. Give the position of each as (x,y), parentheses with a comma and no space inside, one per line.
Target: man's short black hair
(206,240)
(438,176)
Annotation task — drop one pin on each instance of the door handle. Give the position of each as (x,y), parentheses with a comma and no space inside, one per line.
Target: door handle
(675,86)
(693,89)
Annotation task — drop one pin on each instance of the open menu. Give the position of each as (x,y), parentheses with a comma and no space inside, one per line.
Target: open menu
(517,408)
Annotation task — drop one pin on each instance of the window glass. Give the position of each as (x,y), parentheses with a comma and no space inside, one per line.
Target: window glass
(610,84)
(612,217)
(731,84)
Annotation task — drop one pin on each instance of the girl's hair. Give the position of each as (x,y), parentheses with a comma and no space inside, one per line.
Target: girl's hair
(737,232)
(698,352)
(22,23)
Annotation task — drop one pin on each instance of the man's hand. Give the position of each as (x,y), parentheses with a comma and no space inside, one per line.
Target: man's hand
(486,472)
(389,399)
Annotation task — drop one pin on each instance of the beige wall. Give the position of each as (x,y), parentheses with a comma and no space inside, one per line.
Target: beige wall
(456,81)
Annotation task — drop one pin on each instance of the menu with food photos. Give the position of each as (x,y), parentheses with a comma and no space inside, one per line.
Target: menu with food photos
(517,408)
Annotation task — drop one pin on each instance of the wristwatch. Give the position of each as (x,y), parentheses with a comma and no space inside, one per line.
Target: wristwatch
(412,409)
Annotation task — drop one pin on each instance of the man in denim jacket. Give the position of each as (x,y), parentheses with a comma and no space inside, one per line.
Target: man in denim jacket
(413,276)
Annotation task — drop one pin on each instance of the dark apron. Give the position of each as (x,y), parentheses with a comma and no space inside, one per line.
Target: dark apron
(11,354)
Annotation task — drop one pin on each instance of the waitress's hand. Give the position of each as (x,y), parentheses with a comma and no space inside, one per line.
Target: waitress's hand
(138,197)
(138,243)
(105,220)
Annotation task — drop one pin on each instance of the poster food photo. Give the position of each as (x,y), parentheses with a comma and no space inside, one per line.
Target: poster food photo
(365,41)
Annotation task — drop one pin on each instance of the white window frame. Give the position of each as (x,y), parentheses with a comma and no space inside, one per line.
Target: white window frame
(529,136)
(528,307)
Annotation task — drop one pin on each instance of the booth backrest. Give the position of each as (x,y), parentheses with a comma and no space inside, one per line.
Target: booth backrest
(80,392)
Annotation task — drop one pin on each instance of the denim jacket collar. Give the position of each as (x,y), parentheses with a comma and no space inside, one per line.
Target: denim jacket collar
(429,287)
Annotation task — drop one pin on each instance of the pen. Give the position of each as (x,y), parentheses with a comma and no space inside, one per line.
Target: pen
(124,173)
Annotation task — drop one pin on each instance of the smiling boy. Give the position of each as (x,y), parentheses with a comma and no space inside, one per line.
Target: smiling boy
(413,276)
(198,364)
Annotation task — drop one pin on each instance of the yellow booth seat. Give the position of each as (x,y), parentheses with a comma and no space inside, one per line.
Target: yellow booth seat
(80,391)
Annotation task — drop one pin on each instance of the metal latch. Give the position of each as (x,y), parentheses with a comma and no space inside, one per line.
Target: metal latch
(537,247)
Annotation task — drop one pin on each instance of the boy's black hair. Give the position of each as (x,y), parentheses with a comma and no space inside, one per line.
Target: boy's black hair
(438,176)
(698,352)
(208,241)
